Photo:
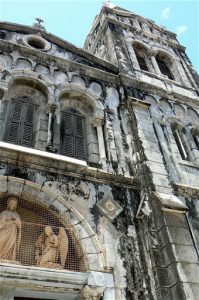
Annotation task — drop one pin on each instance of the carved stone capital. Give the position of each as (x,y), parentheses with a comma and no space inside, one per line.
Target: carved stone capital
(92,293)
(51,107)
(97,121)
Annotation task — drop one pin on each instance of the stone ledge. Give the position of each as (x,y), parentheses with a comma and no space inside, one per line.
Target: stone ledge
(24,275)
(187,190)
(40,160)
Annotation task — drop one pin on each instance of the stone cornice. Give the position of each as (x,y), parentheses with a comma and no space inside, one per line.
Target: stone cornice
(140,32)
(156,90)
(58,164)
(105,76)
(187,190)
(58,41)
(60,62)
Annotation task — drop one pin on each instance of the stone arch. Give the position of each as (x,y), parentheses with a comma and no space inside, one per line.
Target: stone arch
(142,53)
(6,61)
(23,64)
(141,45)
(73,96)
(19,187)
(39,94)
(82,95)
(76,79)
(171,61)
(175,122)
(42,82)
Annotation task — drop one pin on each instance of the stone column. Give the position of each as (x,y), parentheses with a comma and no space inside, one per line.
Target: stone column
(92,293)
(98,122)
(51,108)
(155,65)
(110,140)
(132,55)
(7,293)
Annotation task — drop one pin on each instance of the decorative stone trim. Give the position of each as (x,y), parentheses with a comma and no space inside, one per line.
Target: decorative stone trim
(110,208)
(187,190)
(170,203)
(62,165)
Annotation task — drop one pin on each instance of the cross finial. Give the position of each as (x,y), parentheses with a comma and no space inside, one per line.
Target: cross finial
(38,24)
(39,20)
(108,3)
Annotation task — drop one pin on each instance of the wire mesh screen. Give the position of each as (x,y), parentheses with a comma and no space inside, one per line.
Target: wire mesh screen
(32,235)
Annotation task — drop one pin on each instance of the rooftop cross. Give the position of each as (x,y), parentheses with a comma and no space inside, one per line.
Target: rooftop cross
(38,23)
(39,20)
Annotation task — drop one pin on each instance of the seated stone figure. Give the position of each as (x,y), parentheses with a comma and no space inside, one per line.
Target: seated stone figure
(10,232)
(50,248)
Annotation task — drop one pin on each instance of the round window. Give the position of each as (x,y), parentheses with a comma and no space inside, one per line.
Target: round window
(36,42)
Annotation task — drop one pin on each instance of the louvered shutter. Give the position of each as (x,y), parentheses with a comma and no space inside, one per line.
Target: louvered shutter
(79,138)
(20,127)
(13,133)
(27,125)
(72,136)
(68,136)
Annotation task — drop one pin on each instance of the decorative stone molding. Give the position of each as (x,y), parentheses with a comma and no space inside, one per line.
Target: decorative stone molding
(97,121)
(110,208)
(92,293)
(170,203)
(51,107)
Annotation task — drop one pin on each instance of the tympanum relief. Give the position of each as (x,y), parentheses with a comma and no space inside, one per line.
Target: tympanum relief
(49,248)
(33,235)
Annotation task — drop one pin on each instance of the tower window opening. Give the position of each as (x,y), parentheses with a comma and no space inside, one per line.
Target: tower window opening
(164,68)
(180,145)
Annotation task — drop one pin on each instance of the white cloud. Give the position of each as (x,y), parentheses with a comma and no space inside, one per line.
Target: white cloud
(166,13)
(181,29)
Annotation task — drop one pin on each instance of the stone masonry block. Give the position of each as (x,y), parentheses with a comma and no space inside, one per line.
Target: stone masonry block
(175,235)
(3,184)
(175,220)
(189,272)
(15,185)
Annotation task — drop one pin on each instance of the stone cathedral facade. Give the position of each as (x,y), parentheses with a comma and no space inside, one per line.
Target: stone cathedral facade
(99,163)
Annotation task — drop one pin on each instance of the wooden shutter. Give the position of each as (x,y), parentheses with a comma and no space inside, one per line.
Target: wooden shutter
(27,125)
(13,133)
(68,136)
(20,127)
(79,138)
(72,136)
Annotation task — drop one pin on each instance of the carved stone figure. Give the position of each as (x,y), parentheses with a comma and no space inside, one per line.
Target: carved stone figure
(92,293)
(51,249)
(10,231)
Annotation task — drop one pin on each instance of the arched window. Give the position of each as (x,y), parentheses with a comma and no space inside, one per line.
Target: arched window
(163,66)
(140,52)
(19,129)
(179,143)
(142,62)
(72,134)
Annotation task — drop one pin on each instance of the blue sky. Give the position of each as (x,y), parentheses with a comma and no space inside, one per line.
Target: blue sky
(71,20)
